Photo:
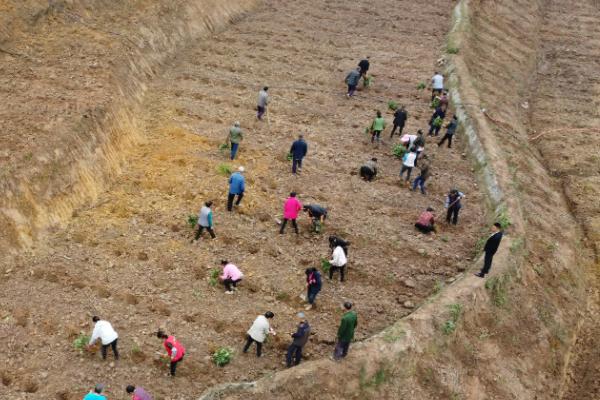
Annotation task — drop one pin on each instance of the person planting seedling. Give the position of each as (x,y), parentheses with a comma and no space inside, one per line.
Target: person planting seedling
(318,215)
(436,121)
(338,262)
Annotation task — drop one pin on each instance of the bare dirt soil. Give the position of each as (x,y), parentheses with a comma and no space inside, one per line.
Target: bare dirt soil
(128,256)
(565,127)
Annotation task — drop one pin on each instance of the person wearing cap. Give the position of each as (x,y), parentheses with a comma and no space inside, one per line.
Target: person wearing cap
(318,215)
(299,340)
(104,331)
(298,151)
(263,100)
(426,221)
(313,286)
(205,221)
(424,174)
(490,248)
(453,205)
(137,393)
(96,394)
(237,186)
(174,349)
(291,208)
(345,332)
(230,277)
(258,332)
(235,137)
(369,170)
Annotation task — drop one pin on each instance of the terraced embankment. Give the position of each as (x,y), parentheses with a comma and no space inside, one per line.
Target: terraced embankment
(73,76)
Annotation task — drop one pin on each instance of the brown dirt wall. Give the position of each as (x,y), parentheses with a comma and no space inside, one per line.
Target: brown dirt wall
(73,75)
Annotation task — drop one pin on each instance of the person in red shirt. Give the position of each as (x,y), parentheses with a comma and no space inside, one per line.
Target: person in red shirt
(175,349)
(426,222)
(291,208)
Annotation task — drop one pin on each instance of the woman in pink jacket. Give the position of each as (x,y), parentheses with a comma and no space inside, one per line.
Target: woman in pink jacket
(291,208)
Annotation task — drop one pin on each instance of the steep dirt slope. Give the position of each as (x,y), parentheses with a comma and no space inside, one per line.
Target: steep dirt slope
(127,256)
(73,74)
(565,127)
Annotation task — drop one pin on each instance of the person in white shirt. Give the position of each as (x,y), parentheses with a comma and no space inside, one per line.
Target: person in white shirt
(408,163)
(338,261)
(104,331)
(258,332)
(437,84)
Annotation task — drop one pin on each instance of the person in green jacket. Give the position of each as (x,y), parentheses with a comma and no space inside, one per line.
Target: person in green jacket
(345,332)
(377,127)
(235,137)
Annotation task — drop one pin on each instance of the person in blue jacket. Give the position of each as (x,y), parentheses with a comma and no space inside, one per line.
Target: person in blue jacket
(298,151)
(237,186)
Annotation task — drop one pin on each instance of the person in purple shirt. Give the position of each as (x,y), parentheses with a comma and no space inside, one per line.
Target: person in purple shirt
(138,393)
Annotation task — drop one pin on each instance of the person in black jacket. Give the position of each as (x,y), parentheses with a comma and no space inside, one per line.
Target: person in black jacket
(400,116)
(364,65)
(450,130)
(300,337)
(491,246)
(439,112)
(298,150)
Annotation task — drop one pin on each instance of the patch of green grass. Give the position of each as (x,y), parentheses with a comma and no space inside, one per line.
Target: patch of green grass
(392,335)
(503,219)
(223,147)
(445,238)
(448,327)
(222,356)
(399,150)
(325,265)
(421,86)
(192,220)
(224,169)
(455,313)
(392,105)
(135,349)
(452,50)
(497,287)
(80,342)
(517,245)
(378,378)
(479,245)
(213,278)
(437,287)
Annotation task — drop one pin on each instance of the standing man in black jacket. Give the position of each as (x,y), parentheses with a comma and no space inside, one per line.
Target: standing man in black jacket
(451,129)
(491,246)
(298,151)
(400,116)
(300,337)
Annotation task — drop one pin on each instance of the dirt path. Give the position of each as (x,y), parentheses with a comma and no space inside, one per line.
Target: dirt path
(566,117)
(128,257)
